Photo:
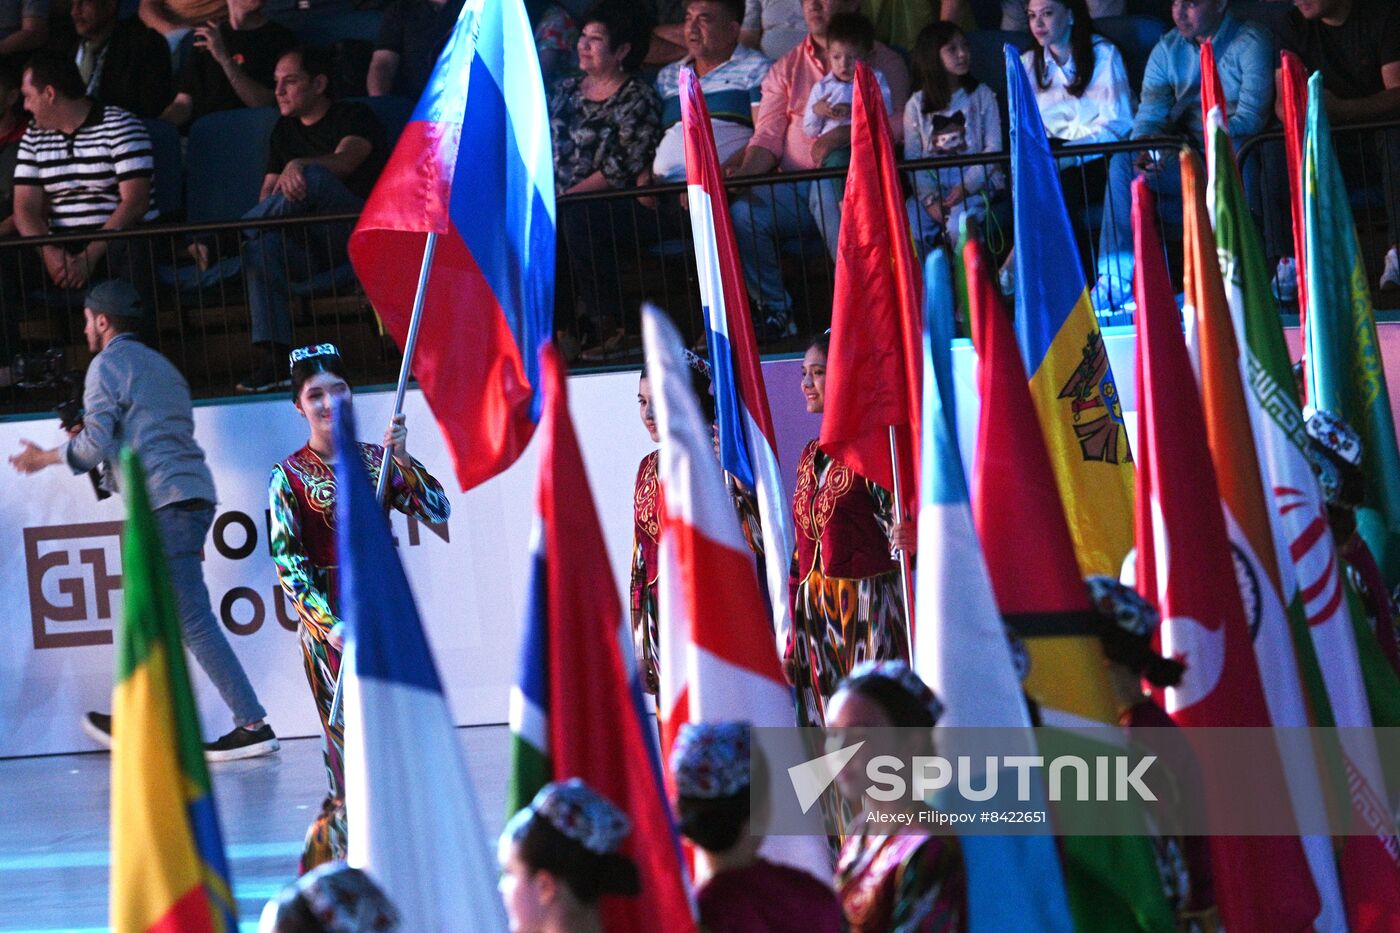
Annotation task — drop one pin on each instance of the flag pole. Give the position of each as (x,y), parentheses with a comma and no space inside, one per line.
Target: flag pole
(906,581)
(382,488)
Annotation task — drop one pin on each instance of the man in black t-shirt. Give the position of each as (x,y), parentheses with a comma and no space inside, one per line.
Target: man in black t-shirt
(411,36)
(231,64)
(323,158)
(1356,46)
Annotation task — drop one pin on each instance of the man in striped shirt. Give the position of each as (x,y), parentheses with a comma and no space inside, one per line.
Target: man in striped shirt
(82,167)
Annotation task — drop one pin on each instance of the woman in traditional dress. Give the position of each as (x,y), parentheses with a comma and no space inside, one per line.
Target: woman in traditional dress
(908,883)
(559,856)
(737,891)
(646,521)
(302,494)
(845,588)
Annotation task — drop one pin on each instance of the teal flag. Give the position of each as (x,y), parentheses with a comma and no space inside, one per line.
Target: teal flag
(1344,370)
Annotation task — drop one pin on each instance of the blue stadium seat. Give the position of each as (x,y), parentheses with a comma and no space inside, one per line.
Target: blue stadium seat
(988,65)
(1135,37)
(170,168)
(327,28)
(393,114)
(1271,15)
(227,158)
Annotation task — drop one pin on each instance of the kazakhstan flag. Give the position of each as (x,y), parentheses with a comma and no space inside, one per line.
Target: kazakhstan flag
(1071,380)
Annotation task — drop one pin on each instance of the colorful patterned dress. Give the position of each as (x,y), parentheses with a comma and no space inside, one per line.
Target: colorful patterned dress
(646,532)
(845,587)
(902,884)
(302,495)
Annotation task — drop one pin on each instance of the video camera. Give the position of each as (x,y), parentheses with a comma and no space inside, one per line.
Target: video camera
(47,370)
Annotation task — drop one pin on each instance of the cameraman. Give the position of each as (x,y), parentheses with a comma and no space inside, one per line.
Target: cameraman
(134,397)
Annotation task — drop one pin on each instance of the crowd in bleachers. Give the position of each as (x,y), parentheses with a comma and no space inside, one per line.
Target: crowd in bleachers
(116,114)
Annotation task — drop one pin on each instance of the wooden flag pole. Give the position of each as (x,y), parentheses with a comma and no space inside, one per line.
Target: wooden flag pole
(906,577)
(387,464)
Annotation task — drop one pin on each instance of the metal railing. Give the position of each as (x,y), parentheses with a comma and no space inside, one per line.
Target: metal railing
(201,313)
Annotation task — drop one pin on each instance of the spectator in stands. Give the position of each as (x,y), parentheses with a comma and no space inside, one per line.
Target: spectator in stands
(1171,103)
(775,27)
(667,34)
(124,62)
(1014,17)
(605,124)
(175,18)
(81,167)
(731,77)
(411,36)
(231,64)
(323,158)
(1081,88)
(767,214)
(952,113)
(556,39)
(24,27)
(1356,46)
(12,127)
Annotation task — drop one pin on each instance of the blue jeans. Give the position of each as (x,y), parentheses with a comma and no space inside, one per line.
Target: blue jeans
(1116,236)
(182,533)
(768,214)
(275,256)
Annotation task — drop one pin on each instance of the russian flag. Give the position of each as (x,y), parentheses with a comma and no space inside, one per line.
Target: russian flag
(487,196)
(410,808)
(1013,882)
(748,448)
(577,708)
(719,660)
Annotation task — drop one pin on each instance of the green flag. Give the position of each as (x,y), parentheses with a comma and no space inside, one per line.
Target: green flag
(1344,368)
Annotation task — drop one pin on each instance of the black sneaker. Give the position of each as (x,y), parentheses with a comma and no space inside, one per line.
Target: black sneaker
(777,324)
(264,379)
(98,726)
(243,743)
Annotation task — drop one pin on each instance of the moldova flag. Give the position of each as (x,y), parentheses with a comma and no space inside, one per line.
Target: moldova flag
(577,708)
(169,874)
(472,179)
(411,813)
(1072,383)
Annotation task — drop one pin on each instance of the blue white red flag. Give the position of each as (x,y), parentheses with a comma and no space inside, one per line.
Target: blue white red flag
(488,195)
(411,812)
(748,448)
(577,708)
(719,662)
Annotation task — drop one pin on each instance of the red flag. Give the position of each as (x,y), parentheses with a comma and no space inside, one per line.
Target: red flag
(1187,569)
(1015,499)
(874,371)
(595,732)
(1212,94)
(1295,111)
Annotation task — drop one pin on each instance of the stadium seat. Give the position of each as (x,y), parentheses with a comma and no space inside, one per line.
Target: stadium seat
(393,114)
(227,158)
(170,170)
(1135,37)
(326,29)
(1272,16)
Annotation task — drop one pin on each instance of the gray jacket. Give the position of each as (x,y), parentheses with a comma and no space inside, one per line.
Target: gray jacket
(133,396)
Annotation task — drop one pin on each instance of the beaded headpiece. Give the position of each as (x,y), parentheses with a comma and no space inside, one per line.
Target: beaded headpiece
(903,676)
(1123,606)
(711,759)
(310,352)
(578,812)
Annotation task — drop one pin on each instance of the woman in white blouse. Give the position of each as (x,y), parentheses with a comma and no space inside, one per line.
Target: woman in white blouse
(1081,87)
(952,114)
